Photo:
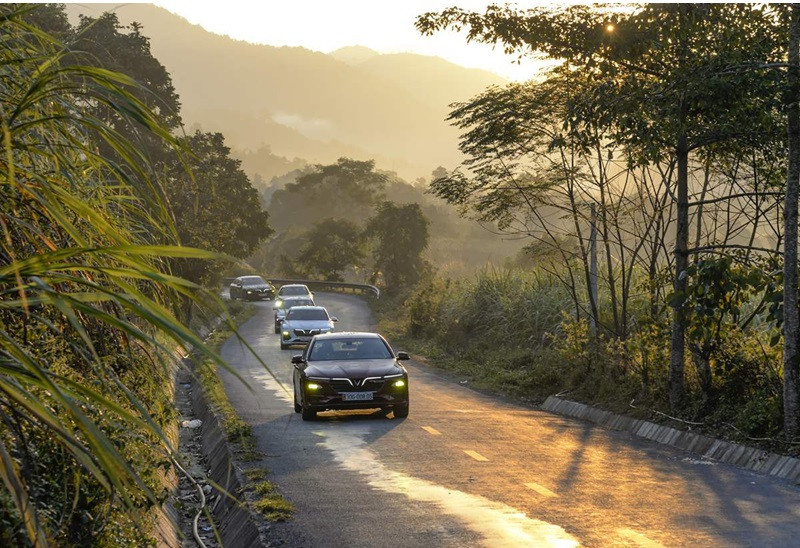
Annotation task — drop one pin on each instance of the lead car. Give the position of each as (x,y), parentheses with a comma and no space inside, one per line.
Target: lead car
(349,371)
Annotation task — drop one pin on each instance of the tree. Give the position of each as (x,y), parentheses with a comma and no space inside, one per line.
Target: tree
(331,247)
(347,189)
(401,234)
(664,87)
(215,206)
(791,313)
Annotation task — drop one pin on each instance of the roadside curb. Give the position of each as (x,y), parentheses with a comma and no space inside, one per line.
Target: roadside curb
(749,458)
(233,519)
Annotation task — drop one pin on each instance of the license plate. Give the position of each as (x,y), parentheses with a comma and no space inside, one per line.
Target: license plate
(357,396)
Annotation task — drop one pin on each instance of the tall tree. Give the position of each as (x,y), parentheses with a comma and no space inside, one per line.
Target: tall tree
(331,247)
(215,206)
(401,234)
(664,81)
(348,189)
(791,314)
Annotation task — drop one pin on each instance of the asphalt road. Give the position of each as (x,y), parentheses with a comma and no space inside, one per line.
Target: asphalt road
(466,469)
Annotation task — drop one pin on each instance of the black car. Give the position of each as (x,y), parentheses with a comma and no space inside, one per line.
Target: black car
(349,371)
(251,288)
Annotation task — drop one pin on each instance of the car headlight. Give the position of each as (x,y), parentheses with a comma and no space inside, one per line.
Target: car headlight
(399,383)
(285,334)
(313,386)
(278,303)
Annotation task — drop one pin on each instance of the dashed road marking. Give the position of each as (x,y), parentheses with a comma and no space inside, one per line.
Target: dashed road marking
(431,430)
(477,456)
(540,489)
(638,539)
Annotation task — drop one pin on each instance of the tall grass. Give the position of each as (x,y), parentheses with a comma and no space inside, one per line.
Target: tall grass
(86,297)
(516,332)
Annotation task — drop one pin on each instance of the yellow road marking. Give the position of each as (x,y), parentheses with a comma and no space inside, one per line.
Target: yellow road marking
(638,538)
(477,456)
(431,430)
(540,489)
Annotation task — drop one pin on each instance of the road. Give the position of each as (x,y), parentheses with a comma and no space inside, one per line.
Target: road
(467,469)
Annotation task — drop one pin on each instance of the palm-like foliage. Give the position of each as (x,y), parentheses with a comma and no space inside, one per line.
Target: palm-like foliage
(85,294)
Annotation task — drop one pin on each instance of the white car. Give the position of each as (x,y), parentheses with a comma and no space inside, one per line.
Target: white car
(294,290)
(303,322)
(282,306)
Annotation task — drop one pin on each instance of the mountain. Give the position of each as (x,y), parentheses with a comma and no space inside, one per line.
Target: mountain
(305,104)
(354,55)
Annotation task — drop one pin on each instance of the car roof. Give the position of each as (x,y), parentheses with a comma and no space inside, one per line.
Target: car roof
(294,285)
(349,335)
(250,276)
(308,307)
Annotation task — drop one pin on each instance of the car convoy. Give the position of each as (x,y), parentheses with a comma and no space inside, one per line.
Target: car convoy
(337,370)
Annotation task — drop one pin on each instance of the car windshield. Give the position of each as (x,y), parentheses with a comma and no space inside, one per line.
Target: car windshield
(296,290)
(350,349)
(307,314)
(253,280)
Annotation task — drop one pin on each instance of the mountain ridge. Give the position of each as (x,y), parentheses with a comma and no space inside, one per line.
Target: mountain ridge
(306,104)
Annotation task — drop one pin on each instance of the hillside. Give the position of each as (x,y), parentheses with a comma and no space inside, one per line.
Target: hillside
(306,104)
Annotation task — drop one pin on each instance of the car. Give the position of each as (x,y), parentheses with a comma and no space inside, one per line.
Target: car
(303,322)
(294,290)
(251,288)
(283,305)
(349,371)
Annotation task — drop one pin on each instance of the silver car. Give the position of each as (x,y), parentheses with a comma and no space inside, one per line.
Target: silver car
(302,323)
(294,290)
(282,306)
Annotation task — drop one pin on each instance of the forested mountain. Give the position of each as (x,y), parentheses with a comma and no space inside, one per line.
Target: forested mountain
(305,104)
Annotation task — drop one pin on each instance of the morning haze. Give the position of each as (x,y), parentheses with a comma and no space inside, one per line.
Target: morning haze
(308,105)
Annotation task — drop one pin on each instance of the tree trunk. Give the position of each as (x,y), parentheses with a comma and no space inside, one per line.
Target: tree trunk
(791,325)
(677,350)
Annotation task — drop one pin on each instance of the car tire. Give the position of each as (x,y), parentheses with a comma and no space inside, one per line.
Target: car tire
(277,327)
(308,414)
(401,411)
(284,346)
(297,407)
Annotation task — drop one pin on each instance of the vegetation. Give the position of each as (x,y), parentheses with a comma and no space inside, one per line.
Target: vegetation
(88,299)
(237,431)
(649,165)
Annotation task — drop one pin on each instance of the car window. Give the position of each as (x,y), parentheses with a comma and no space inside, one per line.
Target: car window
(285,291)
(307,314)
(254,280)
(350,349)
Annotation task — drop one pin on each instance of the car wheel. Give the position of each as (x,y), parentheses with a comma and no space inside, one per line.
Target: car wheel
(308,414)
(277,327)
(401,411)
(297,406)
(284,346)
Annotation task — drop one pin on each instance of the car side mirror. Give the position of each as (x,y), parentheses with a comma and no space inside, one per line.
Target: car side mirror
(297,359)
(403,356)
(334,319)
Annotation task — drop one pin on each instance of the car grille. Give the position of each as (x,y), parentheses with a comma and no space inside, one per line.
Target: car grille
(370,385)
(306,332)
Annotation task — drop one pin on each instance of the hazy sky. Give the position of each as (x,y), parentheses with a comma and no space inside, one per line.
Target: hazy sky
(386,26)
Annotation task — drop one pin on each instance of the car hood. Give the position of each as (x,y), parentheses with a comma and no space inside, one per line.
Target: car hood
(354,369)
(307,324)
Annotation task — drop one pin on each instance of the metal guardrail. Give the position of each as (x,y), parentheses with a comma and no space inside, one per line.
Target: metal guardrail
(320,284)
